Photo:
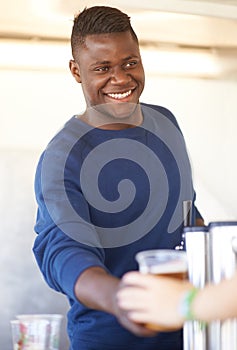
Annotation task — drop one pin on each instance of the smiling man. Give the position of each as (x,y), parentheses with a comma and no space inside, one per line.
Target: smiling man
(109,67)
(110,184)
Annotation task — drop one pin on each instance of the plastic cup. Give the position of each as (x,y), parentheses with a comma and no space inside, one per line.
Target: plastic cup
(163,263)
(54,324)
(30,334)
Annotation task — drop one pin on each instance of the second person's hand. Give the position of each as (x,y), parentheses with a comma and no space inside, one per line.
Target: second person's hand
(149,299)
(137,328)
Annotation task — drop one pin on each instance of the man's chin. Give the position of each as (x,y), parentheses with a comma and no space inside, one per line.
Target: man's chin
(116,112)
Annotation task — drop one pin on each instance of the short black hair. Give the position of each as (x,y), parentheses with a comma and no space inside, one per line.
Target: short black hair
(99,20)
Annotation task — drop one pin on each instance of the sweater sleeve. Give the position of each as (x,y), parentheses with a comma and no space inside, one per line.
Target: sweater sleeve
(66,244)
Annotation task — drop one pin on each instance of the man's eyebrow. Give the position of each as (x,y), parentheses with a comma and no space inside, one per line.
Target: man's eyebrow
(130,57)
(100,62)
(108,62)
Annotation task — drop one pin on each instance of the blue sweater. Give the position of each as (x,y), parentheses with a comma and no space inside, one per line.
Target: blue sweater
(103,196)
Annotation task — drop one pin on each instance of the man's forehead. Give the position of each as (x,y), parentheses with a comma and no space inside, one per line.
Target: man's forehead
(94,42)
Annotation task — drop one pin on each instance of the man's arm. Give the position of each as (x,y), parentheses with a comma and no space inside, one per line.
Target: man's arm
(96,289)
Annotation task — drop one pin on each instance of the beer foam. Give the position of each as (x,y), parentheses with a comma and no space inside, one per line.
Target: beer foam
(164,268)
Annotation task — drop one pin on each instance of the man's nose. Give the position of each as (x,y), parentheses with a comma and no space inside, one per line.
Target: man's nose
(120,76)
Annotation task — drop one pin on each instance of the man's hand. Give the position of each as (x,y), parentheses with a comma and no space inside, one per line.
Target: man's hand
(96,289)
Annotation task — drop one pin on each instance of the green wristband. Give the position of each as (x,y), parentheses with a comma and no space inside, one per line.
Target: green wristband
(185,307)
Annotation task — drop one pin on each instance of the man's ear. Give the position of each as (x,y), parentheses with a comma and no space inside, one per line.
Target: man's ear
(74,68)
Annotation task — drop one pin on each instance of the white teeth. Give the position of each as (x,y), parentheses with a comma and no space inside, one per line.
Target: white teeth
(120,96)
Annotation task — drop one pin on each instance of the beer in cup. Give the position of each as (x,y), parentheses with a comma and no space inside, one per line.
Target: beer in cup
(163,263)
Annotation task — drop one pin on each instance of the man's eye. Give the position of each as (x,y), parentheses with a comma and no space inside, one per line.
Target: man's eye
(102,69)
(131,64)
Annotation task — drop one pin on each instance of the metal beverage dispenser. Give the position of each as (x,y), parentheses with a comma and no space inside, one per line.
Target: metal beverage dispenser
(211,253)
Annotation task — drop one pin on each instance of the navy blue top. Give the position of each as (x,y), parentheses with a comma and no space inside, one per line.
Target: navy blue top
(103,196)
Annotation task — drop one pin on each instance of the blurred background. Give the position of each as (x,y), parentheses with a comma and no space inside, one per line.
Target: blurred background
(189,51)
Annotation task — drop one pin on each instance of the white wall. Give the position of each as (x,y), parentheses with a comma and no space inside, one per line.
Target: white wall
(34,105)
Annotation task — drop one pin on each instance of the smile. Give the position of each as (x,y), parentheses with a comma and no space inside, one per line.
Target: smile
(119,96)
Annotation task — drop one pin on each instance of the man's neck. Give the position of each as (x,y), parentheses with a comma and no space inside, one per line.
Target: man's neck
(98,119)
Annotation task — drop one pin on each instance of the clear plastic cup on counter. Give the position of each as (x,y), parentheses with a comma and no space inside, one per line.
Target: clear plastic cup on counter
(53,329)
(30,334)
